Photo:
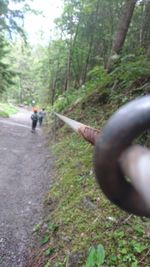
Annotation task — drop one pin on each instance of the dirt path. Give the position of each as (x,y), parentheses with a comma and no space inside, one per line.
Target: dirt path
(25,165)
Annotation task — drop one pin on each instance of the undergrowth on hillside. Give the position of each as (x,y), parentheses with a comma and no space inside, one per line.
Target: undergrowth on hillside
(80,217)
(129,78)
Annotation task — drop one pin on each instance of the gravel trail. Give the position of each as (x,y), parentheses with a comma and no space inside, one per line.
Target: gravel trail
(25,177)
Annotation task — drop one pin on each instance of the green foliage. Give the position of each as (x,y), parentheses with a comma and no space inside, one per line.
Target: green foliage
(45,239)
(47,264)
(49,251)
(32,79)
(98,77)
(130,69)
(138,247)
(6,74)
(7,109)
(10,19)
(10,26)
(87,29)
(68,98)
(7,23)
(52,227)
(96,257)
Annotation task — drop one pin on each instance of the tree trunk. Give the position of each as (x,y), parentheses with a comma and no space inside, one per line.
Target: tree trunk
(122,30)
(123,26)
(94,23)
(68,74)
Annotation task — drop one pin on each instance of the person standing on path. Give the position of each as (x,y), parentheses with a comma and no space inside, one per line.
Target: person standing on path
(41,116)
(34,118)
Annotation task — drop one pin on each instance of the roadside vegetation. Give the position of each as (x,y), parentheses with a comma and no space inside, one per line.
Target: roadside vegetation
(7,109)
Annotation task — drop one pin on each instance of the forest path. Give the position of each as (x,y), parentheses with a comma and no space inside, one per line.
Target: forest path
(25,171)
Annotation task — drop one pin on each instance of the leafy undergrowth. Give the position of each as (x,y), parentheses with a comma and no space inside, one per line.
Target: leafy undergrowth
(7,109)
(80,216)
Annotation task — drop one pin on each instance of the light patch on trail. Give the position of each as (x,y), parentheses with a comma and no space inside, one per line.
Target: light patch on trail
(16,124)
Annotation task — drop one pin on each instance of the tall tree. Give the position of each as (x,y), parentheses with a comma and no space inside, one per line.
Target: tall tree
(9,22)
(123,27)
(6,74)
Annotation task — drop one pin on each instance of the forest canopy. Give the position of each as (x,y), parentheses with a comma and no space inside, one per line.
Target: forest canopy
(92,38)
